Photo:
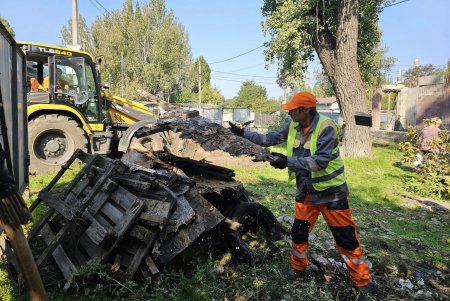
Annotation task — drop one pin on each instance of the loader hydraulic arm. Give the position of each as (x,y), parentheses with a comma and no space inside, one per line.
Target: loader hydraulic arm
(127,111)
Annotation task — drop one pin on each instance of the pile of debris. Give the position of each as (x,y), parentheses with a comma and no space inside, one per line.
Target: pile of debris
(186,134)
(138,213)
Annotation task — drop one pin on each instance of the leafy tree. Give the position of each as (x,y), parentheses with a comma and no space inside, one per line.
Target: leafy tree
(84,31)
(205,73)
(344,35)
(412,75)
(254,97)
(157,55)
(212,95)
(281,120)
(263,105)
(183,96)
(382,65)
(322,86)
(248,94)
(228,103)
(7,26)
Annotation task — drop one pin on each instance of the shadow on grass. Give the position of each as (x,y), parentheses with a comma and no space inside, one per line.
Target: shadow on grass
(385,145)
(38,183)
(396,236)
(403,167)
(387,231)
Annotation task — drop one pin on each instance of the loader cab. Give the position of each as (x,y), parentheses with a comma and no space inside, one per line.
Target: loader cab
(65,77)
(75,83)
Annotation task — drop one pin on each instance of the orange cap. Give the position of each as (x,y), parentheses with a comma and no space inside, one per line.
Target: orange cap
(301,99)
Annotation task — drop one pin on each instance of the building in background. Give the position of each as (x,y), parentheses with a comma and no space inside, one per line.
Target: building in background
(431,98)
(329,107)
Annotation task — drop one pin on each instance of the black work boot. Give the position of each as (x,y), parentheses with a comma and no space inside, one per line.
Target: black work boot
(365,292)
(292,274)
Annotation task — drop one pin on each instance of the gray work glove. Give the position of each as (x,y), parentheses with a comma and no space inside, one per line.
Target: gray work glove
(235,129)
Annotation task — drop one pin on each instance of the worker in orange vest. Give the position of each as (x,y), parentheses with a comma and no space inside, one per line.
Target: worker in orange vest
(37,86)
(61,84)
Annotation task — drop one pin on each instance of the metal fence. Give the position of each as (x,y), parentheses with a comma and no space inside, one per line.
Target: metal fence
(12,82)
(222,115)
(336,116)
(213,114)
(242,115)
(264,120)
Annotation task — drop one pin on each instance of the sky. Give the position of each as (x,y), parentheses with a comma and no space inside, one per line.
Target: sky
(223,29)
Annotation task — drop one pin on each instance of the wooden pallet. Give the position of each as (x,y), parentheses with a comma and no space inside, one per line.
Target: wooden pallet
(88,219)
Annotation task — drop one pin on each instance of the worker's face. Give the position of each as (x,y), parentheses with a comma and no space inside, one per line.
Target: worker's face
(299,115)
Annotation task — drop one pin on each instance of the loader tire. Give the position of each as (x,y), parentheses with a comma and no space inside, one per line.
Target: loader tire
(52,139)
(255,240)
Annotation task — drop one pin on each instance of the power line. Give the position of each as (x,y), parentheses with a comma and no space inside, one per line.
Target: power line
(98,2)
(235,80)
(392,4)
(123,29)
(96,6)
(232,79)
(406,67)
(249,67)
(232,58)
(245,75)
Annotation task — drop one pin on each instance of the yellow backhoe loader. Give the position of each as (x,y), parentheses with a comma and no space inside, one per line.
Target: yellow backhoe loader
(68,108)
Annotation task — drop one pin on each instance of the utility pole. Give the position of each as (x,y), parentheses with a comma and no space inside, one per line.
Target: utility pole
(448,70)
(75,36)
(307,81)
(416,64)
(199,84)
(121,69)
(399,76)
(389,108)
(283,86)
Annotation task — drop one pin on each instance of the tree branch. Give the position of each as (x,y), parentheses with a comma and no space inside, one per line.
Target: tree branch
(325,44)
(323,40)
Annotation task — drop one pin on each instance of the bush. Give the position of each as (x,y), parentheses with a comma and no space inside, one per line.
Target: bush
(433,169)
(281,120)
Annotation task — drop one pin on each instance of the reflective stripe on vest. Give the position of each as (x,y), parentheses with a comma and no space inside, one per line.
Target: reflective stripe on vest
(333,174)
(290,145)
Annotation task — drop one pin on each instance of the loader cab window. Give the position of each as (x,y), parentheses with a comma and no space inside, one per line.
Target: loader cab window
(75,83)
(37,75)
(65,78)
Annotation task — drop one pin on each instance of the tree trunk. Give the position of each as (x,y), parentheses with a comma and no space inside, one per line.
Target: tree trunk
(339,59)
(357,141)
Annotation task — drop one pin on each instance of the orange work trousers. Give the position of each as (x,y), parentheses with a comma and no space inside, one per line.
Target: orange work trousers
(338,217)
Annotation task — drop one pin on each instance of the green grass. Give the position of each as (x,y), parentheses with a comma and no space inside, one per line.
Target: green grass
(396,234)
(6,287)
(37,183)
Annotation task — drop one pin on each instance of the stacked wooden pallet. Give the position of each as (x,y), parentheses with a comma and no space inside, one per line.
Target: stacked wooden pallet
(122,216)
